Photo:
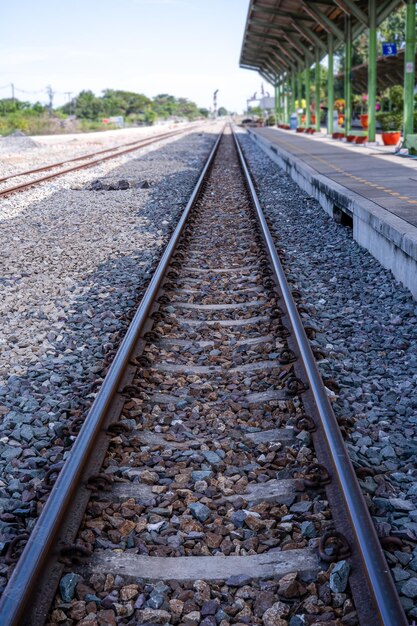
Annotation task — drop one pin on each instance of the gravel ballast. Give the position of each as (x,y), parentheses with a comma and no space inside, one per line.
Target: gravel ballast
(365,324)
(75,261)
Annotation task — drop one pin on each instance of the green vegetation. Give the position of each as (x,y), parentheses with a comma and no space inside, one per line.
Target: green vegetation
(257,111)
(392,30)
(390,121)
(222,112)
(86,112)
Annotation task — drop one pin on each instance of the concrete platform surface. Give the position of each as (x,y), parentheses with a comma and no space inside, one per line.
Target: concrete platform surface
(378,190)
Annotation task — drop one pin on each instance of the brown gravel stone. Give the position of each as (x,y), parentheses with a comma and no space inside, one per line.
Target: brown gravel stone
(213,540)
(149,478)
(129,592)
(106,618)
(289,587)
(176,606)
(157,616)
(58,616)
(263,601)
(77,610)
(272,617)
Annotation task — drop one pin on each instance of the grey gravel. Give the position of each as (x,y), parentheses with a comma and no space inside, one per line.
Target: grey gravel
(367,329)
(74,264)
(339,577)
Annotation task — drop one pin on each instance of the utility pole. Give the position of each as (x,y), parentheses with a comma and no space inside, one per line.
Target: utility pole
(69,94)
(215,103)
(51,98)
(13,100)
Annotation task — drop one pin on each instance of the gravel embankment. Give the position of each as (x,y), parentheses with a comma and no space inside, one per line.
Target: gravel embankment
(367,326)
(20,153)
(74,263)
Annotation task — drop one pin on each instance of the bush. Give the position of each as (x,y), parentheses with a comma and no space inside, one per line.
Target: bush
(390,121)
(270,120)
(396,94)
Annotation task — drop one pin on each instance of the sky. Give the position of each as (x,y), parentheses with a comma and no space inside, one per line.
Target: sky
(187,48)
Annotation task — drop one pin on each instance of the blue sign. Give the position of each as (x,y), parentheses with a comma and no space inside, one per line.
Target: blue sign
(389,49)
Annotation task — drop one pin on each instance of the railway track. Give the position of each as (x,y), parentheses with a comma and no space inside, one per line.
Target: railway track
(94,158)
(209,483)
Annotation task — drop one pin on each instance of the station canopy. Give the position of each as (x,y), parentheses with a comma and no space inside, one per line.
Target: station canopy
(284,36)
(390,72)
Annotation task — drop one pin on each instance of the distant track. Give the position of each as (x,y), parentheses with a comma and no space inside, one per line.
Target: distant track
(116,152)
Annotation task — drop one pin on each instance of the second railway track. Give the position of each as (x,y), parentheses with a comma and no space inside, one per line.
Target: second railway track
(209,484)
(90,160)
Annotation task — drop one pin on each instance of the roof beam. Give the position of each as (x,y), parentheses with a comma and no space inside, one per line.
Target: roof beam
(288,53)
(269,78)
(350,8)
(311,36)
(299,46)
(263,37)
(322,19)
(270,25)
(249,67)
(386,9)
(280,13)
(271,53)
(272,68)
(280,62)
(268,53)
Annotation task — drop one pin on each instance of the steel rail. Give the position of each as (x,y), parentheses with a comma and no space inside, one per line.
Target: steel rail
(37,181)
(381,584)
(22,584)
(90,154)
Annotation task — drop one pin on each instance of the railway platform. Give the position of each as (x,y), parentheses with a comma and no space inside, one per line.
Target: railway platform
(374,192)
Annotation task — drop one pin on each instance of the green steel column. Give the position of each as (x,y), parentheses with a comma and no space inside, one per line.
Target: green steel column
(348,75)
(308,102)
(317,87)
(330,85)
(409,69)
(292,92)
(299,93)
(286,101)
(372,50)
(276,101)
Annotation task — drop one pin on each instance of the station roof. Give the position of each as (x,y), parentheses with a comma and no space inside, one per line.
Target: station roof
(389,70)
(283,35)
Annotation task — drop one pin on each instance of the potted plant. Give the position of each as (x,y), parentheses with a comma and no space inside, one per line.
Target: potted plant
(364,116)
(361,139)
(391,124)
(339,105)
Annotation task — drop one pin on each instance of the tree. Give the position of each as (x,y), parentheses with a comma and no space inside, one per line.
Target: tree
(164,105)
(88,106)
(116,102)
(392,30)
(222,111)
(255,111)
(204,112)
